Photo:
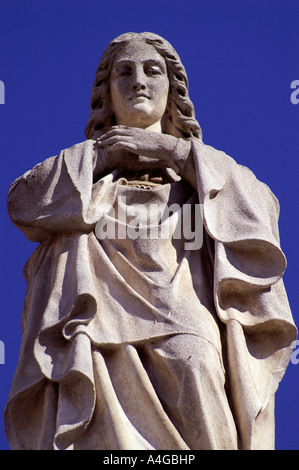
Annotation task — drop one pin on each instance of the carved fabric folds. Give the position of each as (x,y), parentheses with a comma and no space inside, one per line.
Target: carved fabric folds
(61,368)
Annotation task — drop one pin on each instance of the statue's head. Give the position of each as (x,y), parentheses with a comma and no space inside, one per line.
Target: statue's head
(175,107)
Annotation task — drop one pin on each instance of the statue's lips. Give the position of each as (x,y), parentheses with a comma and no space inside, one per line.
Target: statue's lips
(140,97)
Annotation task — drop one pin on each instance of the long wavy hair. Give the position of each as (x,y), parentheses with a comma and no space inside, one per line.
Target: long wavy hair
(179,117)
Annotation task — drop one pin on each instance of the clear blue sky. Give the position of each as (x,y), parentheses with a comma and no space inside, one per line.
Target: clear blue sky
(241,57)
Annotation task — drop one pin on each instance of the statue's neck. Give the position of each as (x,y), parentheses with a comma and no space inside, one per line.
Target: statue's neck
(156,127)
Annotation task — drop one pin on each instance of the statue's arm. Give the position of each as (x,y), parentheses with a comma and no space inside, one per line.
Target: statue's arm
(184,158)
(49,198)
(135,148)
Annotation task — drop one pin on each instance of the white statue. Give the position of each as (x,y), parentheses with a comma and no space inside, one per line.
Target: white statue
(133,341)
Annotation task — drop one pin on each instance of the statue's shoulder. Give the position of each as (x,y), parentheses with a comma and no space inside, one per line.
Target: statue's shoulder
(85,145)
(221,156)
(245,174)
(229,162)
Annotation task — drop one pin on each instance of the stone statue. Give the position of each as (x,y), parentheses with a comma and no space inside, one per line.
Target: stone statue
(133,339)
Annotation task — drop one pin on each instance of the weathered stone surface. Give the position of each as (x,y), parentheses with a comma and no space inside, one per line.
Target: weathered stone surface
(156,315)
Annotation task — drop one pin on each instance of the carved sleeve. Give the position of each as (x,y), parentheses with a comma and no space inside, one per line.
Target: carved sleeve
(50,197)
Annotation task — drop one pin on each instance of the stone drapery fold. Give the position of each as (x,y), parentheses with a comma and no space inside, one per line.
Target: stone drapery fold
(58,204)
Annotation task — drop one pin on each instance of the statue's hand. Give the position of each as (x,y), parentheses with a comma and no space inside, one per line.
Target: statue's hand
(136,148)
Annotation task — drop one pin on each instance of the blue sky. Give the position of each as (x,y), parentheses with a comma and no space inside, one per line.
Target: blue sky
(241,57)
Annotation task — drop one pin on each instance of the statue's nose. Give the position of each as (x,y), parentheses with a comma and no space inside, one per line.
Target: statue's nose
(139,86)
(139,80)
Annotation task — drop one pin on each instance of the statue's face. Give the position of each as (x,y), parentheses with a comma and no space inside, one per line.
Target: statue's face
(139,86)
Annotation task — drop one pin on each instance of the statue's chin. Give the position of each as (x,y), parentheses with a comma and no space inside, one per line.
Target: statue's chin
(142,115)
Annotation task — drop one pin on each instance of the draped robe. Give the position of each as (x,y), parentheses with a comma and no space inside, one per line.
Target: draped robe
(87,295)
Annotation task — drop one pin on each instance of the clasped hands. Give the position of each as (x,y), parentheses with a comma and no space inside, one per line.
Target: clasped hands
(137,149)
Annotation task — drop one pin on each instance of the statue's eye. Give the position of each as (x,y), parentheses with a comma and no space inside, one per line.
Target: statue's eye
(153,70)
(124,72)
(121,70)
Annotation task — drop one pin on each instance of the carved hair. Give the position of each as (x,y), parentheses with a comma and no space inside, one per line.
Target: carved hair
(179,118)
